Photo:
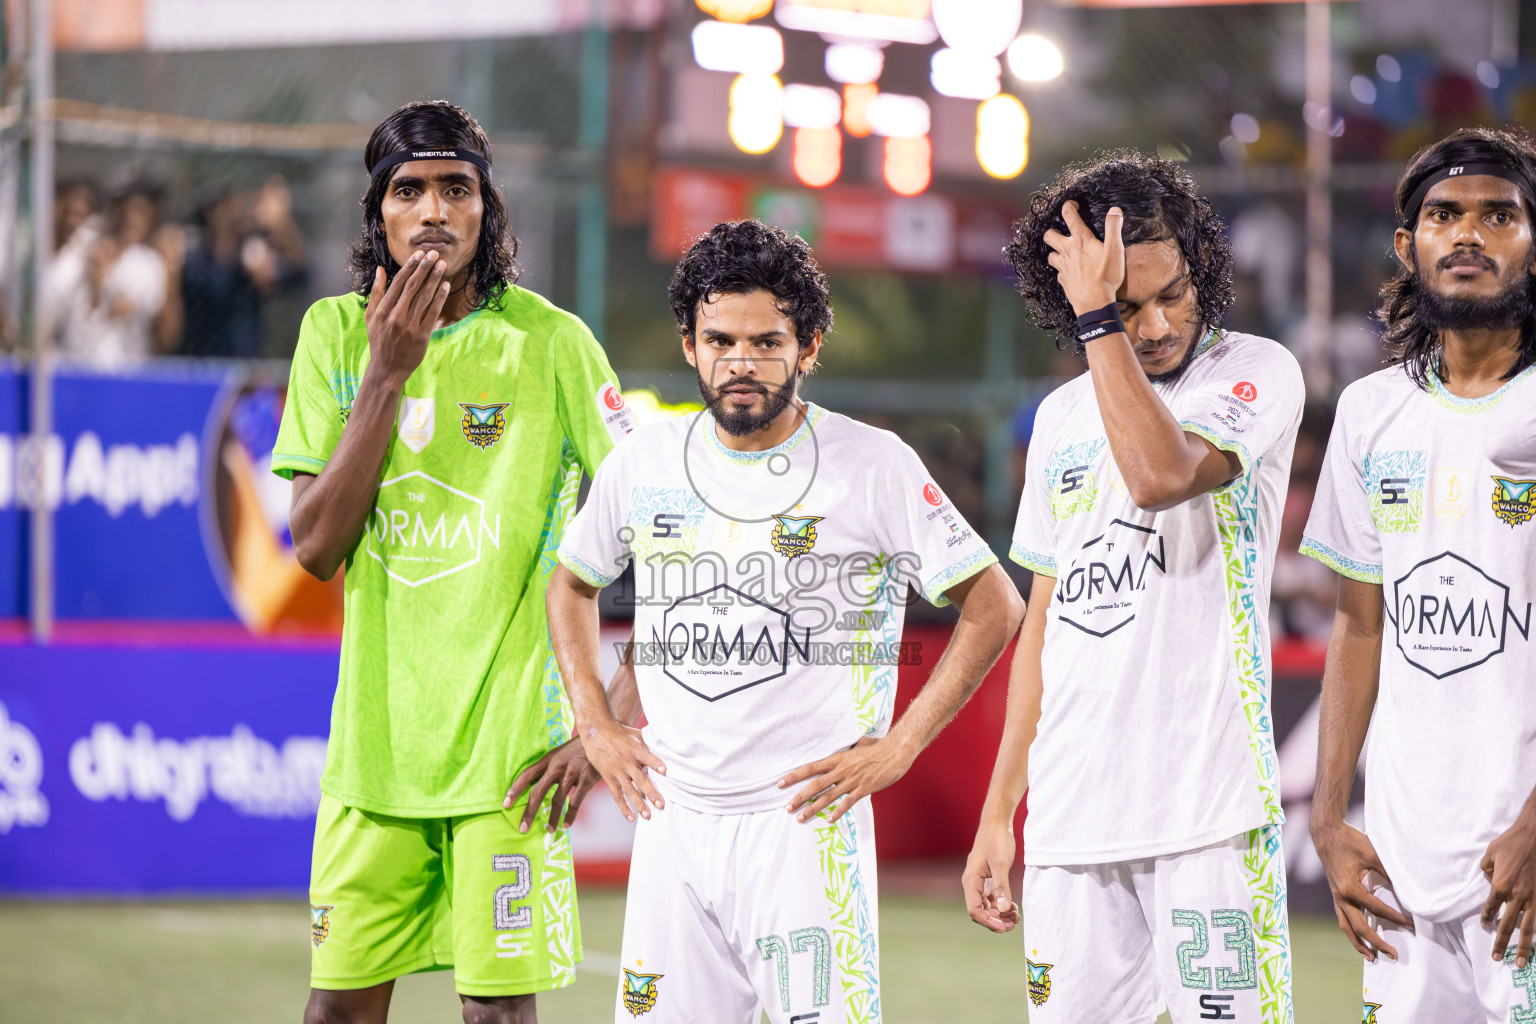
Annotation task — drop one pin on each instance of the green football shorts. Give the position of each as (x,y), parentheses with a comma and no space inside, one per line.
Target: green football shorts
(392,896)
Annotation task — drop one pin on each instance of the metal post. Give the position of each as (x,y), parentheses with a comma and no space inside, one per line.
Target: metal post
(1315,362)
(12,51)
(592,213)
(41,395)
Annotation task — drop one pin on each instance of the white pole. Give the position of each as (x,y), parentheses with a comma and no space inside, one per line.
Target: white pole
(1315,361)
(41,397)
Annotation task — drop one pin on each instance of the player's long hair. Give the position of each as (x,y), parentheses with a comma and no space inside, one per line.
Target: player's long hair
(1410,338)
(743,256)
(434,124)
(1160,203)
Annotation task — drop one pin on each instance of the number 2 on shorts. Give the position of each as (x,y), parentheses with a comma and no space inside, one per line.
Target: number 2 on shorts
(507,916)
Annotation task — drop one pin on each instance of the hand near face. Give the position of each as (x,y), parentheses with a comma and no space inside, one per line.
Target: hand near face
(1090,271)
(400,318)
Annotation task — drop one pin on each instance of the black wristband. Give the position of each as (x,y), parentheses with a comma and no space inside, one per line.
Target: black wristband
(1098,316)
(1102,329)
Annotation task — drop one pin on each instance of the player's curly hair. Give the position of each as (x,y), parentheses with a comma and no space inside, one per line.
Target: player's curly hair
(434,124)
(1160,203)
(743,256)
(1410,339)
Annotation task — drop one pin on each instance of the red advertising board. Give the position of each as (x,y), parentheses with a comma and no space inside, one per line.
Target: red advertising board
(849,225)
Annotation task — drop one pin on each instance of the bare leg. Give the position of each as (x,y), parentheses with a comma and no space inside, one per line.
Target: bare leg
(499,1010)
(349,1006)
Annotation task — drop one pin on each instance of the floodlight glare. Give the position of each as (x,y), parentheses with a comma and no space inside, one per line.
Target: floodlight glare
(735,10)
(897,116)
(1034,58)
(818,155)
(743,49)
(854,63)
(757,113)
(812,106)
(978,26)
(968,76)
(908,165)
(1002,136)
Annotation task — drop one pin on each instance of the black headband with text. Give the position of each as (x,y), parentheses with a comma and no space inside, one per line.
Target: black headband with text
(1509,174)
(407,155)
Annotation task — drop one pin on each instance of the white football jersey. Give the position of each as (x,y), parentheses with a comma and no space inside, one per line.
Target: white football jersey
(769,592)
(1155,733)
(1432,496)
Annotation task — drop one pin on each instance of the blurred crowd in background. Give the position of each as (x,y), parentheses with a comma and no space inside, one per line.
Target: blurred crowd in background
(189,245)
(128,285)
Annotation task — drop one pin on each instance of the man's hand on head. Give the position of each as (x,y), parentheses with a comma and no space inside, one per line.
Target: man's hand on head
(1090,271)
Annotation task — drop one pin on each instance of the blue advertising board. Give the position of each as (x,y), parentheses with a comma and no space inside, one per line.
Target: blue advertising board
(140,769)
(13,519)
(164,507)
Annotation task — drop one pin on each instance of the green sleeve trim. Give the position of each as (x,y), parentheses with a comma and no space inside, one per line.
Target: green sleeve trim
(585,571)
(1235,447)
(1363,572)
(285,464)
(957,572)
(1033,560)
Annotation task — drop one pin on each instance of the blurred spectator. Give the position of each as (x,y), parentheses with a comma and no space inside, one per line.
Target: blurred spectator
(1268,243)
(108,283)
(73,207)
(247,249)
(1303,592)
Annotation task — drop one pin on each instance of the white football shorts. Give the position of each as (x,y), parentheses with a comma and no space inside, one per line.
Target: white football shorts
(1202,933)
(1445,972)
(729,913)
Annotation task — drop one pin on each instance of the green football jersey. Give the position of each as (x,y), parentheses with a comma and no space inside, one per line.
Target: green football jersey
(448,687)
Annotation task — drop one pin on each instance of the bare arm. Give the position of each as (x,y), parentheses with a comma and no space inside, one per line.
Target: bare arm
(615,750)
(985,881)
(1350,680)
(1163,464)
(990,611)
(566,774)
(623,690)
(329,511)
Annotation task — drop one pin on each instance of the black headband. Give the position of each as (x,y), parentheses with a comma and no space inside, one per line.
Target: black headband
(407,155)
(1509,174)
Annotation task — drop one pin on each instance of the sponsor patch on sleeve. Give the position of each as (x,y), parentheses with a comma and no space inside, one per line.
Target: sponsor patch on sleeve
(614,411)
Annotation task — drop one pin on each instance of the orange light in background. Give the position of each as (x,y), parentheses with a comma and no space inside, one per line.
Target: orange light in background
(818,155)
(908,164)
(736,10)
(856,97)
(757,113)
(1002,136)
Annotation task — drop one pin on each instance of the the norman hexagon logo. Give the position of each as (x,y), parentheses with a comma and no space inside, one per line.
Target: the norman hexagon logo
(721,641)
(1102,589)
(422,529)
(1451,615)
